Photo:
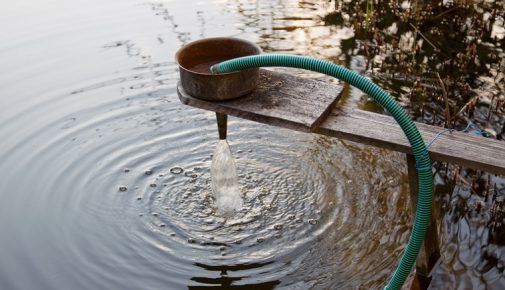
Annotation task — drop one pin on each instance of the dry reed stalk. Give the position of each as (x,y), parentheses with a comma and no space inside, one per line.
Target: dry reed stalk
(447,111)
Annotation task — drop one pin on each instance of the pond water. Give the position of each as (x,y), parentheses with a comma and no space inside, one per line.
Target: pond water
(105,175)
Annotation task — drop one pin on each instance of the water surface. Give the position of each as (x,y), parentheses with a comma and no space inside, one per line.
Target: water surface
(105,176)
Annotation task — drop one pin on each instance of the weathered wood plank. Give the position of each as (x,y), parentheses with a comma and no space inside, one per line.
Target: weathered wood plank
(280,100)
(380,130)
(301,104)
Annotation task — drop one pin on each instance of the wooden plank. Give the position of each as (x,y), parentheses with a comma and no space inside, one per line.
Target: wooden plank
(379,130)
(430,250)
(280,99)
(306,105)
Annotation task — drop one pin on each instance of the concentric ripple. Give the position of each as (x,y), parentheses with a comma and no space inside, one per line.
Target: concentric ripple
(106,182)
(123,192)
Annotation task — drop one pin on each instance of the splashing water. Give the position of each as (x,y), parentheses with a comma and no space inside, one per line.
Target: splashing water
(224,180)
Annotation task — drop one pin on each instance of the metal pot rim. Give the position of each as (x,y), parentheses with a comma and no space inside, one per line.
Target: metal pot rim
(211,39)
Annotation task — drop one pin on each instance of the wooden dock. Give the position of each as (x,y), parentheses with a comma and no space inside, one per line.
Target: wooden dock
(311,106)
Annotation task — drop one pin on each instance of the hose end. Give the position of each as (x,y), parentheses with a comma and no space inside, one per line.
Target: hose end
(213,69)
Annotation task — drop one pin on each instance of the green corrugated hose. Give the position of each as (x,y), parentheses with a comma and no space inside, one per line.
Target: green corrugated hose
(416,141)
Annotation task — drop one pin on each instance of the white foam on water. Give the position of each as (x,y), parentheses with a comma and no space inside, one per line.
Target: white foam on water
(224,180)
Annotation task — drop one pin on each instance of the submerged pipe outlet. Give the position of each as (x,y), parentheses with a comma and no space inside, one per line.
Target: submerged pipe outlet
(222,125)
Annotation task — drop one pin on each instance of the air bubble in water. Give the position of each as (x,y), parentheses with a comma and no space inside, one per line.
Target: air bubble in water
(312,221)
(278,227)
(123,188)
(152,185)
(148,172)
(190,174)
(260,240)
(176,170)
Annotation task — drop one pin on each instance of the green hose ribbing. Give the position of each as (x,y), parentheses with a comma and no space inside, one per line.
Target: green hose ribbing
(380,96)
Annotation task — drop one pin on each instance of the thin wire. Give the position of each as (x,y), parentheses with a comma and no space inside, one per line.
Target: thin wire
(427,147)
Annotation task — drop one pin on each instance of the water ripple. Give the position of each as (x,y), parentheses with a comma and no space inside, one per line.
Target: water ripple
(106,184)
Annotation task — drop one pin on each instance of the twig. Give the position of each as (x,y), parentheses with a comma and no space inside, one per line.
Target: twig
(447,112)
(466,105)
(427,40)
(445,12)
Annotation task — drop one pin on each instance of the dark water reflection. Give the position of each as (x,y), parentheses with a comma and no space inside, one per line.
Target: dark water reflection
(105,175)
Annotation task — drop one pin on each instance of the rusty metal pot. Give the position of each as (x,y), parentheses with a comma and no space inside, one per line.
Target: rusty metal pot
(195,59)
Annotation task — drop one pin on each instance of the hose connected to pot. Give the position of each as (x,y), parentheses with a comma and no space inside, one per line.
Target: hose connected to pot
(423,210)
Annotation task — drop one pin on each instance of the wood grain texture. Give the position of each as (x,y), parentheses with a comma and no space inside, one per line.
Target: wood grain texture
(308,105)
(460,148)
(280,99)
